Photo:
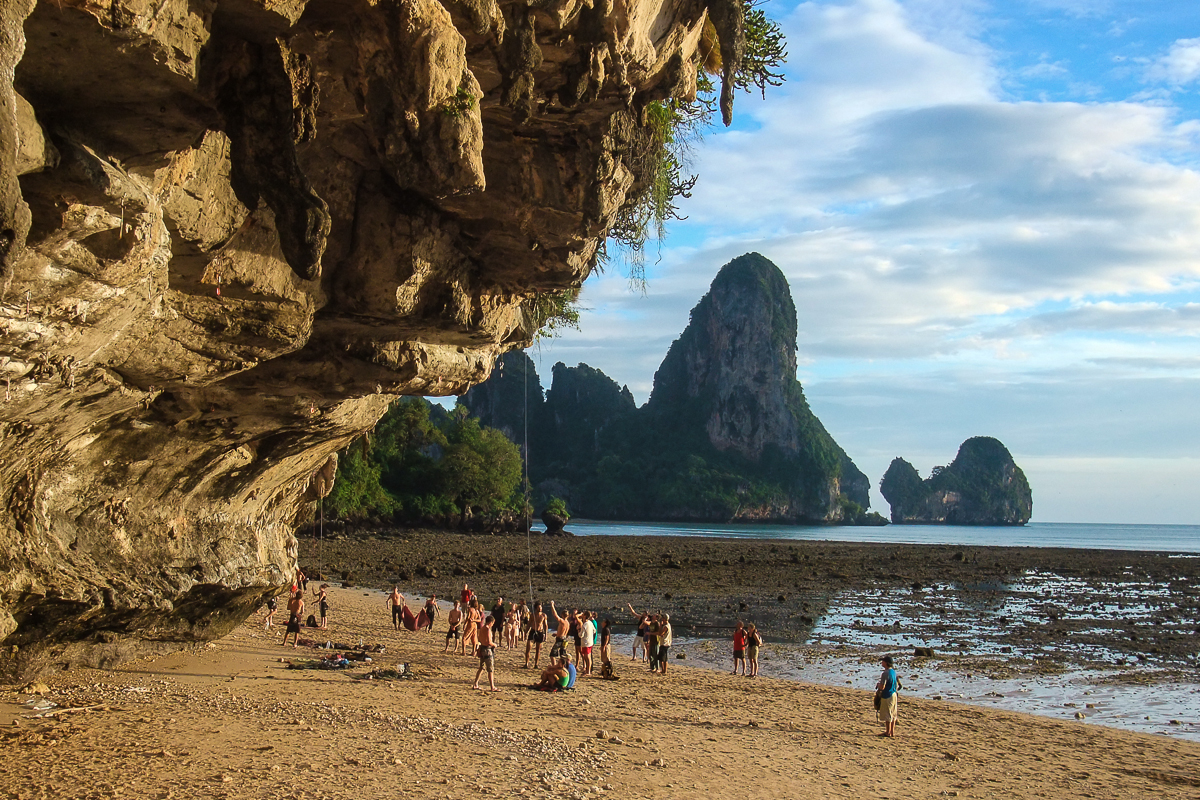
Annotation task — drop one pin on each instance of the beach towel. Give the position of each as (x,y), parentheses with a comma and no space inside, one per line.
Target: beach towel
(409,618)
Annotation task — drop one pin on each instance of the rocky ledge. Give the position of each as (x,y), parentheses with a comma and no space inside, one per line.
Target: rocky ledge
(232,231)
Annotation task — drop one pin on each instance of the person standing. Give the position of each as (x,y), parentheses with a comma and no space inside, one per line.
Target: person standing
(295,614)
(471,627)
(889,705)
(487,656)
(588,635)
(754,640)
(323,604)
(497,619)
(396,604)
(562,625)
(272,604)
(664,642)
(537,634)
(739,647)
(454,632)
(432,612)
(606,642)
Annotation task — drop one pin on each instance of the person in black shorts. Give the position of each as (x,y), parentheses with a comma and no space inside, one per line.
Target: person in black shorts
(537,634)
(395,601)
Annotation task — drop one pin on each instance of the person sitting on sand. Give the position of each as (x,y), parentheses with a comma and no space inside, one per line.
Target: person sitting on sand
(739,647)
(889,706)
(487,657)
(395,603)
(295,614)
(272,604)
(562,626)
(555,676)
(537,634)
(454,633)
(754,640)
(664,641)
(323,604)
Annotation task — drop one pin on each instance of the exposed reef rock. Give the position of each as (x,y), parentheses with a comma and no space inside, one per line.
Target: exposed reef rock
(232,231)
(726,435)
(982,486)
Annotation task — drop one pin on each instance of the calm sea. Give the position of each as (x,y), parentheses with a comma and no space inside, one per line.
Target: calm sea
(1172,538)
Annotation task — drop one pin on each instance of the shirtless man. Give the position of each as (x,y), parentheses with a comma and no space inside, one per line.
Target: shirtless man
(395,602)
(487,657)
(454,634)
(295,615)
(537,634)
(562,625)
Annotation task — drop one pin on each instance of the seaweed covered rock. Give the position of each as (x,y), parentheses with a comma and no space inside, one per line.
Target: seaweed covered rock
(982,486)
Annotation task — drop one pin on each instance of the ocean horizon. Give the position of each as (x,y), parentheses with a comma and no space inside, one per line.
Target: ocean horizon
(1184,539)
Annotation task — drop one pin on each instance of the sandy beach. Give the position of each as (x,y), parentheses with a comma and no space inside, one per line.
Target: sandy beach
(230,720)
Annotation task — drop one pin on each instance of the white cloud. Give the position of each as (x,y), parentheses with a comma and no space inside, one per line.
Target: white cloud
(962,264)
(1179,66)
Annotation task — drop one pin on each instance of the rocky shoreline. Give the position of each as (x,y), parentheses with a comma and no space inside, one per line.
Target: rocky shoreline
(1040,607)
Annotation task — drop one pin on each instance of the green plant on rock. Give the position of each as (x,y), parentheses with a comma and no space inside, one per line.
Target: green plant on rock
(461,103)
(660,146)
(557,507)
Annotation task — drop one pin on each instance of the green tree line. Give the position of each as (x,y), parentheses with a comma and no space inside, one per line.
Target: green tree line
(422,462)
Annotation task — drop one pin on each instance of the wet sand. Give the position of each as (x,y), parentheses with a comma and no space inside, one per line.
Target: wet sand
(229,720)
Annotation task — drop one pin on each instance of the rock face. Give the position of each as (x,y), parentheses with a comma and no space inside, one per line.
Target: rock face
(733,373)
(726,435)
(232,231)
(982,486)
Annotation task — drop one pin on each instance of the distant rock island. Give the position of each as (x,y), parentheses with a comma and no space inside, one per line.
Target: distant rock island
(726,434)
(982,486)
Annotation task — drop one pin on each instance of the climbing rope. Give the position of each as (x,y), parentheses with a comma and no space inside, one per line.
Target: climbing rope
(528,510)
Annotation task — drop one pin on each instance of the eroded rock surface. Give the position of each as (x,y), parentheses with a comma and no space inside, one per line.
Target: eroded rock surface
(232,231)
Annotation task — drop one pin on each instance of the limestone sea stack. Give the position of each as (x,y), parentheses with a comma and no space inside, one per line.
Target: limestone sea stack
(727,434)
(981,486)
(233,231)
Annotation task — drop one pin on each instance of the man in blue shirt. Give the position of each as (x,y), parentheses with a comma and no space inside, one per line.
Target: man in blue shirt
(886,691)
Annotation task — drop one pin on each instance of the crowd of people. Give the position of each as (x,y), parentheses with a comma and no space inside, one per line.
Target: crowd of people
(581,638)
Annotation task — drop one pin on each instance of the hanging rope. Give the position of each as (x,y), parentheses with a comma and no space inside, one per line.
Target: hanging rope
(528,505)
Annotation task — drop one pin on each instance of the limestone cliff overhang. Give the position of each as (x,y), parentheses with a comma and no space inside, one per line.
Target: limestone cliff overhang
(232,231)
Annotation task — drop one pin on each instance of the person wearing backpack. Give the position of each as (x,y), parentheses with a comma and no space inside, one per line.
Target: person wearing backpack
(886,692)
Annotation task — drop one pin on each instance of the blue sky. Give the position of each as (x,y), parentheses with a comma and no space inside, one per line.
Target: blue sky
(989,215)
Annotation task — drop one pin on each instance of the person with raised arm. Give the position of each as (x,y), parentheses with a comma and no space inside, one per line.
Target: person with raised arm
(562,625)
